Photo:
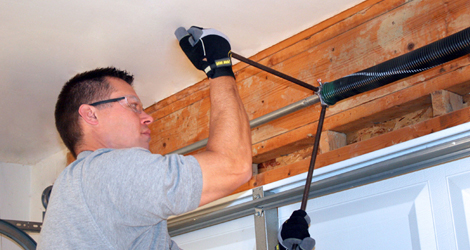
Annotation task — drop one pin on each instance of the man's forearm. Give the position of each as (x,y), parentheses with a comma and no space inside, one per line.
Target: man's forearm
(229,132)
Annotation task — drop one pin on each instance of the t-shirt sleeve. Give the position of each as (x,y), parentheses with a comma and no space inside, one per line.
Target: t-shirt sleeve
(141,188)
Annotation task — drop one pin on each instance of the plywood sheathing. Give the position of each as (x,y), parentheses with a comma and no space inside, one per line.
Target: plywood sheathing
(361,37)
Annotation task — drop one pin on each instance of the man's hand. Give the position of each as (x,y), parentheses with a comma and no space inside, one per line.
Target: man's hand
(208,49)
(294,233)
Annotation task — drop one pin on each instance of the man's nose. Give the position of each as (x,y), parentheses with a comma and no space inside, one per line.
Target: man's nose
(146,118)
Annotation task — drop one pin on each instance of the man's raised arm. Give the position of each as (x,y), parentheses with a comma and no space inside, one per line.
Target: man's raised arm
(226,163)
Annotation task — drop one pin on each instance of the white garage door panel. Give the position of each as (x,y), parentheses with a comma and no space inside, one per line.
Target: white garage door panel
(236,234)
(459,190)
(421,210)
(397,219)
(426,210)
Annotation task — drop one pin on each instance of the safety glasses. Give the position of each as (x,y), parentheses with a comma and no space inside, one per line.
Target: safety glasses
(129,101)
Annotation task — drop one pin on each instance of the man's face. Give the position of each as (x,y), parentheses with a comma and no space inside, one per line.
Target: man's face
(121,125)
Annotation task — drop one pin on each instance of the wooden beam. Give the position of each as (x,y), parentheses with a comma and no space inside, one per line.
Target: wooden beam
(444,102)
(407,133)
(378,32)
(331,140)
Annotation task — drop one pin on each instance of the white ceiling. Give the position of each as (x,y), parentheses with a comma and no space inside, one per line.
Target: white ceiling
(44,43)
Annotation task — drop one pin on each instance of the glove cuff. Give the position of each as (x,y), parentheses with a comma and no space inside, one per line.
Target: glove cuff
(222,71)
(279,247)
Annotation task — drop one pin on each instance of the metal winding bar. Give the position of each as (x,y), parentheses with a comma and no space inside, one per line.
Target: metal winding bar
(274,72)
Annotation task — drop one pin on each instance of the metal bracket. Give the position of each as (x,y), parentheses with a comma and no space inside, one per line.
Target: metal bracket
(254,168)
(258,193)
(26,225)
(266,223)
(323,103)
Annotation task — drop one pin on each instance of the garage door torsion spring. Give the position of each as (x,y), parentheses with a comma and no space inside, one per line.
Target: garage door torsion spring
(416,61)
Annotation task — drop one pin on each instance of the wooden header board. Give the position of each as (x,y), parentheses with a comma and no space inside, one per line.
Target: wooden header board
(363,36)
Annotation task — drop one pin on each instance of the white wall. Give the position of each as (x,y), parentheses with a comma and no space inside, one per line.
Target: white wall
(15,181)
(21,189)
(43,175)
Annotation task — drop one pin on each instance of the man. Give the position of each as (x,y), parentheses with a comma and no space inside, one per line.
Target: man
(118,195)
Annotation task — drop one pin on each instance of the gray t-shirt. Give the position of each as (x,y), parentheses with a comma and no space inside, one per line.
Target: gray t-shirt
(120,199)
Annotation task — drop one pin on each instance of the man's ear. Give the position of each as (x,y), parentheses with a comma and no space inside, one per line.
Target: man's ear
(88,113)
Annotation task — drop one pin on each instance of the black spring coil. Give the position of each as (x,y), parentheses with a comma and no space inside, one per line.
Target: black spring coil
(419,60)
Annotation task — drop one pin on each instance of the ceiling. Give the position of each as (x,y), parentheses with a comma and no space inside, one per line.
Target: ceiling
(45,43)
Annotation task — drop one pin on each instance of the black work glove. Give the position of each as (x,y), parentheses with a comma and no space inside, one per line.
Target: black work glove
(208,50)
(294,232)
